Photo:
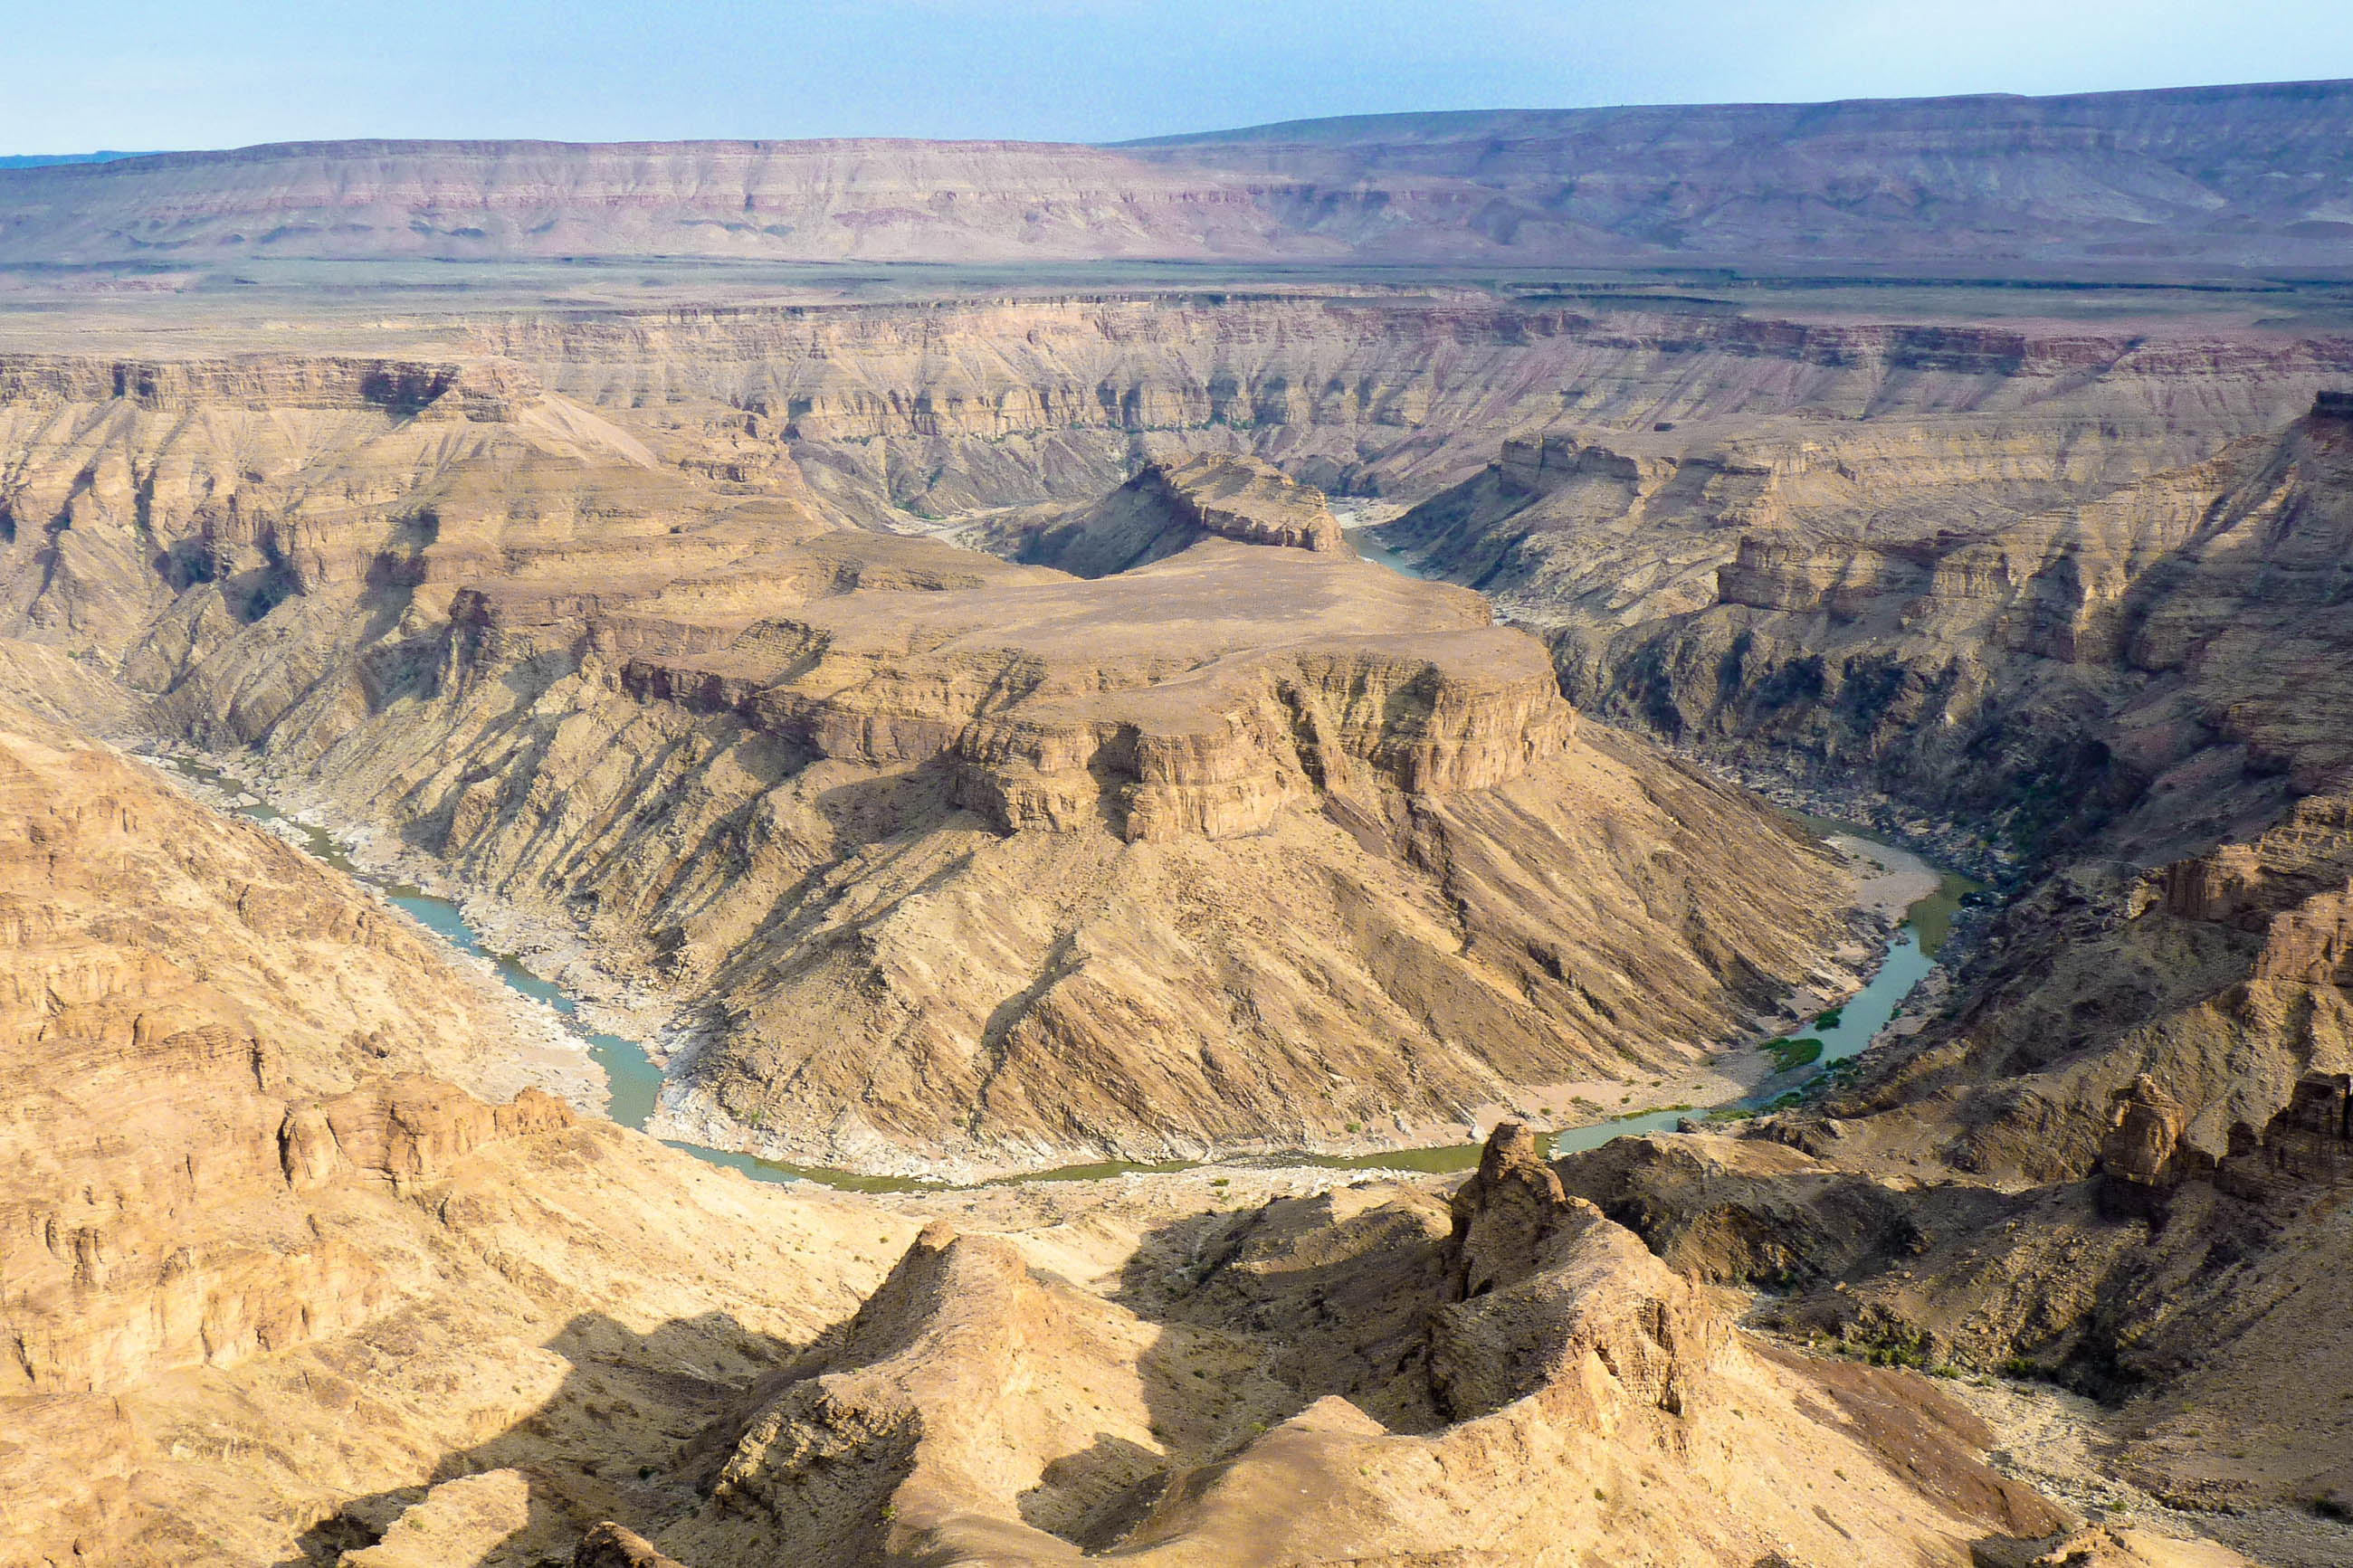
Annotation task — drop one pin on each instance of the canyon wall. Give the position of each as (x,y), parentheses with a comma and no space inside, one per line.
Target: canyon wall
(2095,669)
(636,521)
(920,845)
(954,407)
(268,1296)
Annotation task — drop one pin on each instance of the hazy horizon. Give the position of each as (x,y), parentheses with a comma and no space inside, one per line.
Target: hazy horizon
(255,71)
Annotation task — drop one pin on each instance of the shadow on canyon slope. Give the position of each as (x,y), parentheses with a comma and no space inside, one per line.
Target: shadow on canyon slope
(613,1442)
(1338,1296)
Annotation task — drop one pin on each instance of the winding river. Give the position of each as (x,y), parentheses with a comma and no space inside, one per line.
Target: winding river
(636,1080)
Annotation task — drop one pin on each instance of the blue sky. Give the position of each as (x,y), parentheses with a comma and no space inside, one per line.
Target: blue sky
(215,73)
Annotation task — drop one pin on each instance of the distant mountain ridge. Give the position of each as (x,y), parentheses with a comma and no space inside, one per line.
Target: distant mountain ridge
(48,159)
(2190,178)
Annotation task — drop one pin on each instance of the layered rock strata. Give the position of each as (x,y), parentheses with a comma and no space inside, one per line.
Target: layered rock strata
(952,408)
(1092,795)
(917,839)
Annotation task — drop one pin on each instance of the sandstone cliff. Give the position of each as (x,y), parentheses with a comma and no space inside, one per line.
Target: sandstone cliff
(924,849)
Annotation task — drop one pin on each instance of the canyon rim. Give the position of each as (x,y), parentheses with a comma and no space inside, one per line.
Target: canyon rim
(1602,837)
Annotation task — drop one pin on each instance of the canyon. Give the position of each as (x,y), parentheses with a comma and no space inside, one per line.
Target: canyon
(946,717)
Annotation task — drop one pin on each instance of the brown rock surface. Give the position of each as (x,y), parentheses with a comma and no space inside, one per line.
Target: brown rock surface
(978,1409)
(1169,506)
(2099,1546)
(256,1271)
(610,1546)
(967,860)
(926,847)
(436,1329)
(2140,1154)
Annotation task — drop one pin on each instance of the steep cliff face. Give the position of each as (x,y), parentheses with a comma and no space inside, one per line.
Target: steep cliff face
(918,837)
(2025,629)
(880,410)
(2146,673)
(940,860)
(959,405)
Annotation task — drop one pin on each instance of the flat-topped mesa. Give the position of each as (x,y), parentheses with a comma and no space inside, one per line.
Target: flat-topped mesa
(1217,759)
(1173,505)
(1196,697)
(1248,501)
(2338,405)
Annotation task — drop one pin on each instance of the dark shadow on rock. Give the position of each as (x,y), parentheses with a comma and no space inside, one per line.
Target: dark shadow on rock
(1336,1297)
(615,1441)
(1093,1497)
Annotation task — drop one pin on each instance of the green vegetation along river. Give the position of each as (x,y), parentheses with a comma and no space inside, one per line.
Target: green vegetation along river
(635,1079)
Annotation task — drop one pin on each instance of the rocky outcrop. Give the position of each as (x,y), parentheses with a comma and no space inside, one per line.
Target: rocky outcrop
(2306,1146)
(409,1130)
(979,1410)
(1738,1211)
(1502,1216)
(1246,500)
(611,1545)
(1171,506)
(2142,1157)
(1539,1281)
